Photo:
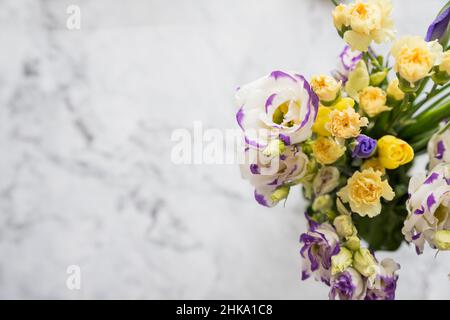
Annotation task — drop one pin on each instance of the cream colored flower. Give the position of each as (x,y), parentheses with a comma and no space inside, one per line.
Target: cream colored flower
(346,123)
(445,64)
(326,150)
(372,101)
(373,163)
(364,191)
(394,91)
(366,21)
(414,57)
(326,87)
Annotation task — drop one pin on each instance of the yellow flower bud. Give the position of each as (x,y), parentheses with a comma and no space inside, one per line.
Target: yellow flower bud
(326,87)
(326,150)
(340,16)
(343,225)
(394,91)
(364,262)
(372,101)
(378,77)
(341,261)
(322,203)
(358,79)
(442,239)
(353,243)
(323,117)
(394,152)
(373,163)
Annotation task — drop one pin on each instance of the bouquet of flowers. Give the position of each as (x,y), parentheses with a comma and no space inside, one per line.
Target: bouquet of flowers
(349,139)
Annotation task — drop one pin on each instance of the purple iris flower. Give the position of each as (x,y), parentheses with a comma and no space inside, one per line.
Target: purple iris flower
(438,27)
(364,146)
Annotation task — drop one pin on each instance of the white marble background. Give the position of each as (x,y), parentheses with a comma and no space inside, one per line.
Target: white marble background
(85,171)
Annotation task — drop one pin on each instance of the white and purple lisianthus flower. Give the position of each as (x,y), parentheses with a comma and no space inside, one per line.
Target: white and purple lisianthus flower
(281,106)
(320,243)
(382,285)
(347,285)
(348,59)
(438,27)
(363,147)
(267,173)
(428,206)
(439,148)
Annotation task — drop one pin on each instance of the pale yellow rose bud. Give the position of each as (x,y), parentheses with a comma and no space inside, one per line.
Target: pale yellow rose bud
(340,16)
(353,243)
(372,101)
(341,261)
(364,262)
(378,77)
(321,203)
(393,90)
(343,225)
(326,88)
(442,239)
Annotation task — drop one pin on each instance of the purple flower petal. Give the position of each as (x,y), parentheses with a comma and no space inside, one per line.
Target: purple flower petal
(431,178)
(439,26)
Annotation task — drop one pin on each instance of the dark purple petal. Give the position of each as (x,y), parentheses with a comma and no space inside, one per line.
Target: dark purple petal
(420,211)
(416,236)
(440,150)
(254,168)
(431,178)
(280,74)
(261,199)
(439,26)
(273,183)
(313,101)
(364,147)
(286,139)
(343,287)
(240,117)
(305,275)
(270,100)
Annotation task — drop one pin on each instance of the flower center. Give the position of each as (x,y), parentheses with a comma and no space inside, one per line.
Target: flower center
(280,114)
(361,10)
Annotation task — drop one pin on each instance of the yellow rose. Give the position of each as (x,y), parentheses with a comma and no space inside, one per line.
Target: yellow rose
(445,64)
(366,21)
(394,152)
(364,191)
(394,91)
(414,57)
(323,117)
(326,87)
(372,101)
(373,163)
(346,123)
(344,103)
(326,150)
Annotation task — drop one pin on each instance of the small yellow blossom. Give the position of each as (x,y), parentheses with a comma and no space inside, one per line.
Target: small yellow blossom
(373,163)
(358,79)
(344,103)
(364,262)
(366,21)
(394,152)
(326,150)
(346,123)
(445,64)
(326,87)
(364,191)
(394,91)
(323,117)
(372,101)
(414,57)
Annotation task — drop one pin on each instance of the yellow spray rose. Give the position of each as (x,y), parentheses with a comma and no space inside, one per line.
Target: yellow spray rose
(325,87)
(414,57)
(366,22)
(394,91)
(372,101)
(326,150)
(364,191)
(373,163)
(394,152)
(346,123)
(445,64)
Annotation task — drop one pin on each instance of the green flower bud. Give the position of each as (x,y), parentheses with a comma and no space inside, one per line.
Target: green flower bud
(274,148)
(440,77)
(343,225)
(442,239)
(364,262)
(322,203)
(405,86)
(341,261)
(358,79)
(378,77)
(353,243)
(280,193)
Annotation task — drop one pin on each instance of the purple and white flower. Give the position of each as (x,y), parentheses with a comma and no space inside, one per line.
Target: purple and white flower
(428,206)
(268,173)
(348,59)
(281,105)
(439,148)
(382,285)
(348,285)
(320,243)
(363,147)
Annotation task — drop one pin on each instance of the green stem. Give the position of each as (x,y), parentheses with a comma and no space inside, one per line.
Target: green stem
(430,95)
(335,2)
